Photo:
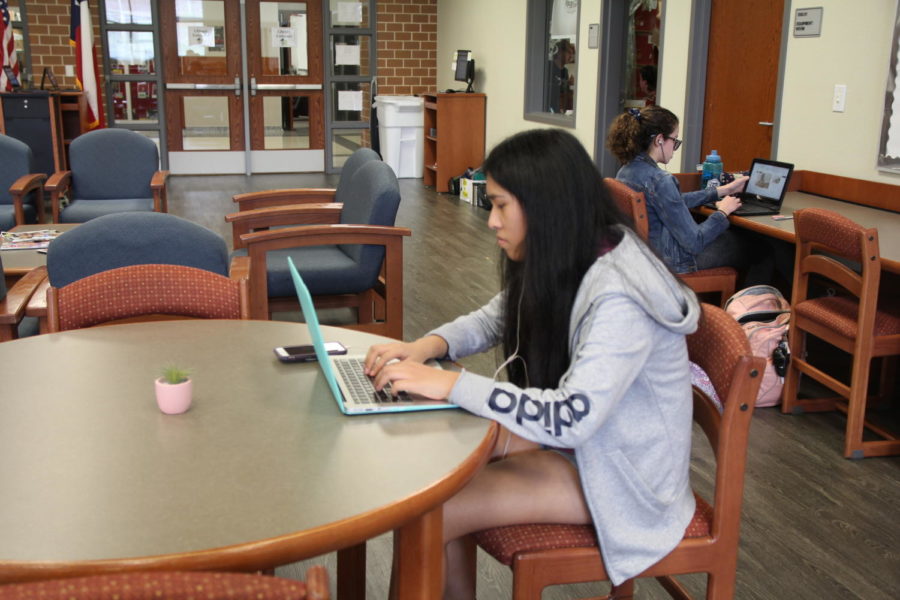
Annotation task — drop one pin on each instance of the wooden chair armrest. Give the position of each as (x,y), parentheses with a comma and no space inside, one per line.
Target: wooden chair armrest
(301,212)
(240,268)
(252,200)
(37,304)
(59,181)
(159,179)
(248,221)
(23,186)
(57,185)
(158,187)
(321,235)
(12,308)
(27,183)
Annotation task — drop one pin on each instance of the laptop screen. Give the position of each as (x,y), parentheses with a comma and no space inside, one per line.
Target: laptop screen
(768,179)
(315,332)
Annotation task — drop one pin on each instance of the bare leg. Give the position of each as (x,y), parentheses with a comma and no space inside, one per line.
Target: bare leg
(539,486)
(509,443)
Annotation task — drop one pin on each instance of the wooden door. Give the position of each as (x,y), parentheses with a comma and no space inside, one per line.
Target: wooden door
(244,86)
(741,80)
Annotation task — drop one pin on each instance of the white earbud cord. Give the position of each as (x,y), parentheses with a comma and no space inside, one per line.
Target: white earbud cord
(515,353)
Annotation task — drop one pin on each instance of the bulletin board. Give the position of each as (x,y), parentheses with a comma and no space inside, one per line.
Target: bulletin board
(889,146)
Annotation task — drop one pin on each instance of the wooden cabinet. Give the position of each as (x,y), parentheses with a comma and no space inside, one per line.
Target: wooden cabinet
(454,136)
(47,122)
(33,117)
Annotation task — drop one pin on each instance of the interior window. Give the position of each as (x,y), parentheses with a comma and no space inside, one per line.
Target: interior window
(552,46)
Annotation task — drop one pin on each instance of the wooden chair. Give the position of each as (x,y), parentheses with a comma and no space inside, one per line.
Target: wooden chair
(721,280)
(252,200)
(146,293)
(850,320)
(349,254)
(551,554)
(174,585)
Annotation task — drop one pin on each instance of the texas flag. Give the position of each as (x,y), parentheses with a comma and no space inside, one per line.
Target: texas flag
(81,35)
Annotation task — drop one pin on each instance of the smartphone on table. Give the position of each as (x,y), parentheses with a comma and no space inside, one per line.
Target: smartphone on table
(306,353)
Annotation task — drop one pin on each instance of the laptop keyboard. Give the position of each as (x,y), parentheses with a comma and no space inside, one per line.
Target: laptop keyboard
(352,371)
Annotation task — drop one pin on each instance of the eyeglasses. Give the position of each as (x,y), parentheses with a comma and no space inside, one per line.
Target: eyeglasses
(676,140)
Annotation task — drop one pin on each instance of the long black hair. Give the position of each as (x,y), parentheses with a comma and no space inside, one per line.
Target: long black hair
(569,215)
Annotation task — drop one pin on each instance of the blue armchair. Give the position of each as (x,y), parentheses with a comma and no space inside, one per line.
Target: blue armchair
(265,198)
(350,254)
(111,170)
(21,189)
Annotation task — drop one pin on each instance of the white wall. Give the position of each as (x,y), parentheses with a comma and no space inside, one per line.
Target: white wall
(853,50)
(495,32)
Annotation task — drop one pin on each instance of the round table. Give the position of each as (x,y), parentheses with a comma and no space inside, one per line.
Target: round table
(263,470)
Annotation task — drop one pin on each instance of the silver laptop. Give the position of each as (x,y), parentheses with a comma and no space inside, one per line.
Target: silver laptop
(351,387)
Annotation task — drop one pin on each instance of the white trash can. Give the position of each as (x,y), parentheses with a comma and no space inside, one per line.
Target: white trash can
(401,124)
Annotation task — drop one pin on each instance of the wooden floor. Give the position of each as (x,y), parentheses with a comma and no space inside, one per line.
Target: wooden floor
(815,525)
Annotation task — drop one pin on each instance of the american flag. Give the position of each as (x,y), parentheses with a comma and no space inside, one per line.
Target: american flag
(7,47)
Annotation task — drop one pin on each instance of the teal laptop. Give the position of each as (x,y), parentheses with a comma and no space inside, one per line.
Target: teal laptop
(351,387)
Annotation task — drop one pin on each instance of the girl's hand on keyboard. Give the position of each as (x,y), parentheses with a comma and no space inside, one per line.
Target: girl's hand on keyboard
(416,378)
(419,351)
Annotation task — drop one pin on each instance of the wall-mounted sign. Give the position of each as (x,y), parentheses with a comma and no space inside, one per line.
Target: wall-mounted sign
(283,37)
(808,22)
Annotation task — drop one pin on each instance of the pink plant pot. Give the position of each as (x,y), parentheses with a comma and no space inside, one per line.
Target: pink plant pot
(173,398)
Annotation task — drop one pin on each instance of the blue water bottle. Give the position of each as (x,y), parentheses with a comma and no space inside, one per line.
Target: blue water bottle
(712,170)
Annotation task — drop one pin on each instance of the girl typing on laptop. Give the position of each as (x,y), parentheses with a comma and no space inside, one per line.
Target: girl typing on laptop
(597,406)
(642,139)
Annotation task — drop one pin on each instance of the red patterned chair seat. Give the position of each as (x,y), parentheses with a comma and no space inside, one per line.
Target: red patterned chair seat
(504,542)
(840,314)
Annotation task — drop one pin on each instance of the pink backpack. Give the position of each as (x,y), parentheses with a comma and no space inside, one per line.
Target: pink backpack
(765,315)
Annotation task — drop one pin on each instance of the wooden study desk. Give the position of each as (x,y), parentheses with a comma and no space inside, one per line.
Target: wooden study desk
(871,204)
(263,470)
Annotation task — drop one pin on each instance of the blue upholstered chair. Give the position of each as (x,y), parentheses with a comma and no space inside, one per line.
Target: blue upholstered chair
(133,238)
(125,239)
(349,253)
(110,171)
(261,199)
(21,189)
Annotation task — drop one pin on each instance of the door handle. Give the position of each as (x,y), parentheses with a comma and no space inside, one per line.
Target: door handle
(289,86)
(237,86)
(253,86)
(767,123)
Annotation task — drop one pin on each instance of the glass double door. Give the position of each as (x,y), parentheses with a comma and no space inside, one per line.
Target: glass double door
(244,86)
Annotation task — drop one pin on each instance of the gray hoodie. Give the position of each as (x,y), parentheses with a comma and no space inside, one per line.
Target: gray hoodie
(624,404)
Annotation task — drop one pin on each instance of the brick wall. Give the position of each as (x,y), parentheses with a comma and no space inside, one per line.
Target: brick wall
(407,44)
(407,47)
(48,29)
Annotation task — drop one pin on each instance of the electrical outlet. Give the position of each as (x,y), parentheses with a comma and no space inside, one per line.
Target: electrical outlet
(70,70)
(840,98)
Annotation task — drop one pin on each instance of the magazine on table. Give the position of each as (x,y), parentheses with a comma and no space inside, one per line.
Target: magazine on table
(27,240)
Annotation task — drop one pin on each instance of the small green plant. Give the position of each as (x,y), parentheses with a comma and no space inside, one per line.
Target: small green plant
(174,374)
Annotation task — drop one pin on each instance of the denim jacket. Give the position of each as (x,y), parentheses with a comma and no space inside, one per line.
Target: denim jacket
(673,231)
